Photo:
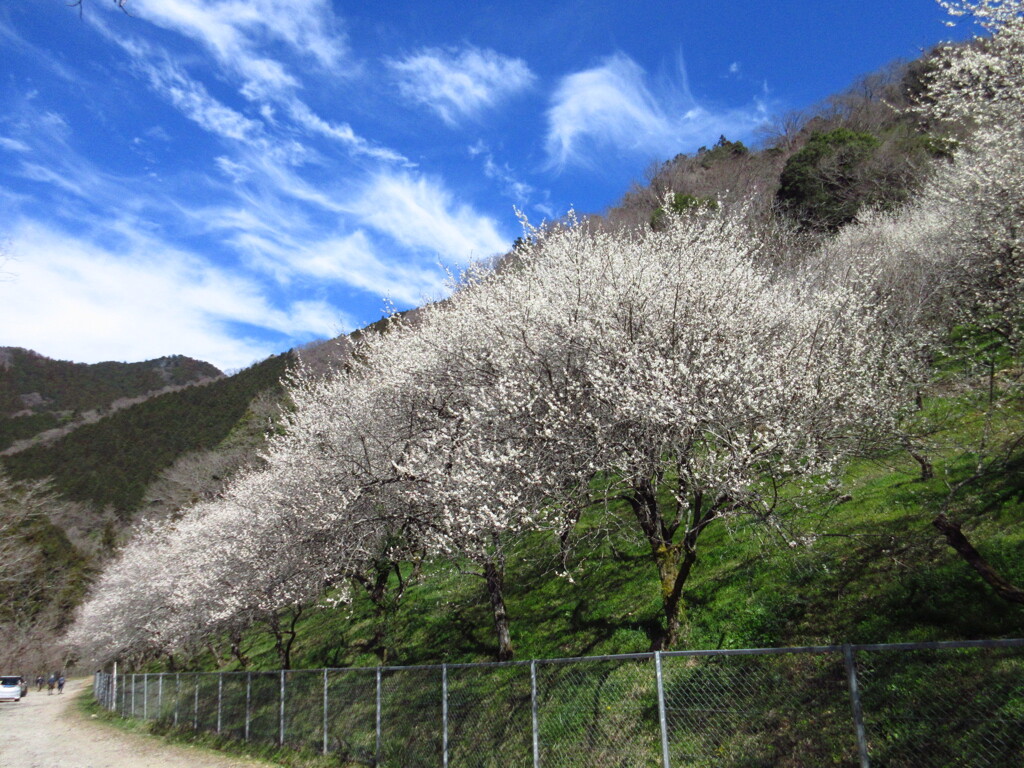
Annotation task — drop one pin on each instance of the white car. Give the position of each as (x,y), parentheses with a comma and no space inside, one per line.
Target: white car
(10,687)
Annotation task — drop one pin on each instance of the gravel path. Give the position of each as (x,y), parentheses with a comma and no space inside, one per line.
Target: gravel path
(44,731)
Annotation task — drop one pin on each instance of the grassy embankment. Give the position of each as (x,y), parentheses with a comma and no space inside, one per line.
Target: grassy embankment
(877,571)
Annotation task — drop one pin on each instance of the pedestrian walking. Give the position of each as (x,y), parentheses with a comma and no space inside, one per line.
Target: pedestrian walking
(51,681)
(60,684)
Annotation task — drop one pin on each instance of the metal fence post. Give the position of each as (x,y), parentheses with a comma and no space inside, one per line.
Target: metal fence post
(662,719)
(534,713)
(248,703)
(160,696)
(145,696)
(177,695)
(325,711)
(376,752)
(113,698)
(195,710)
(444,715)
(858,715)
(220,698)
(281,723)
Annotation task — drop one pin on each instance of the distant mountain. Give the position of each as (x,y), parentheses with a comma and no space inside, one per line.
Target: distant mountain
(32,383)
(111,461)
(39,394)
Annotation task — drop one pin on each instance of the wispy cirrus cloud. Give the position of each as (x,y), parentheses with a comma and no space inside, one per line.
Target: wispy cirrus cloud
(612,107)
(264,81)
(353,259)
(402,228)
(342,133)
(420,213)
(511,185)
(391,234)
(193,100)
(13,145)
(66,179)
(237,31)
(459,84)
(303,227)
(302,246)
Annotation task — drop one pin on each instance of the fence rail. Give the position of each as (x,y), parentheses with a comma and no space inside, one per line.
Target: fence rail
(910,705)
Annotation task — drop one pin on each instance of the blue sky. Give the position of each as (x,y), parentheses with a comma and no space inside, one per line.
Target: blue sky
(226,179)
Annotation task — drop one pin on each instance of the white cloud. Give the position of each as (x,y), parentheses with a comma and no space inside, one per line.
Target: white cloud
(196,104)
(237,172)
(459,84)
(511,186)
(149,301)
(611,107)
(296,254)
(353,260)
(234,30)
(41,173)
(343,133)
(263,79)
(419,213)
(13,145)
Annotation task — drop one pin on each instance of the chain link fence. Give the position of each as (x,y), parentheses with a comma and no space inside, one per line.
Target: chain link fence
(893,706)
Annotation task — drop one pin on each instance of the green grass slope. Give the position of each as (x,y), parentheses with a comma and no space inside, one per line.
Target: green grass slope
(870,568)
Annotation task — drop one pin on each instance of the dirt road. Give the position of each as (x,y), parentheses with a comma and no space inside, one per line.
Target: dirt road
(44,731)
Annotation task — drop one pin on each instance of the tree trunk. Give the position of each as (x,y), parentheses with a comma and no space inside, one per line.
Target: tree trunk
(275,629)
(285,638)
(672,574)
(495,578)
(237,651)
(956,539)
(385,600)
(927,470)
(674,560)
